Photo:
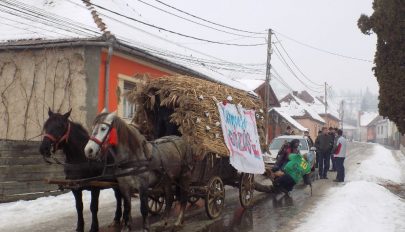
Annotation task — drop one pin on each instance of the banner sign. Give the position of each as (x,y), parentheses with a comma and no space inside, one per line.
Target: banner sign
(241,137)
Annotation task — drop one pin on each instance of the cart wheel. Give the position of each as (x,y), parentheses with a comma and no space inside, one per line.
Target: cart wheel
(246,189)
(215,198)
(193,199)
(155,203)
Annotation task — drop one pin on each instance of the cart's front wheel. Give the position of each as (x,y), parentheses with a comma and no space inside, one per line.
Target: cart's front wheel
(215,198)
(155,203)
(246,189)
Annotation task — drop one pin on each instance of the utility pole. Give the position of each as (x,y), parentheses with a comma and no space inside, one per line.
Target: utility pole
(267,89)
(342,112)
(326,105)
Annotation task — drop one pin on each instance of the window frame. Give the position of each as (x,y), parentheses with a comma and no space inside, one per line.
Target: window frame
(135,80)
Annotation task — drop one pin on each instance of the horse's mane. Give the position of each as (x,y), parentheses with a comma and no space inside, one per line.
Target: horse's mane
(127,135)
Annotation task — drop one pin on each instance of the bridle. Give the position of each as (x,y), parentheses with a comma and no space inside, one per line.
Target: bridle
(103,143)
(56,142)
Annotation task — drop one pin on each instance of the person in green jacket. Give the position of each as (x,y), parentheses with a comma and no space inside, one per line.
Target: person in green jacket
(292,173)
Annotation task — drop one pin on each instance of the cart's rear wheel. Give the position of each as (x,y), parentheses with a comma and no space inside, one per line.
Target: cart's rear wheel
(246,189)
(215,198)
(155,203)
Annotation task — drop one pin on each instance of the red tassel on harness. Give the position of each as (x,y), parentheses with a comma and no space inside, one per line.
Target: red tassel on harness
(113,139)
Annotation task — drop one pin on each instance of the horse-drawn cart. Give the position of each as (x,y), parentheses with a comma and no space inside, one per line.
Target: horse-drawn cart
(187,106)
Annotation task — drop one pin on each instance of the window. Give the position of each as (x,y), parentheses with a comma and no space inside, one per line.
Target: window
(127,110)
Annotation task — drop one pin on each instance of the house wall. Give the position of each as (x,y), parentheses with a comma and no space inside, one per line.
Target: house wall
(371,134)
(330,122)
(126,65)
(363,134)
(312,125)
(33,80)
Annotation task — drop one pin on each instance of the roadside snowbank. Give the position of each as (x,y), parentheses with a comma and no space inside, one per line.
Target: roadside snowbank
(46,209)
(357,206)
(380,167)
(362,204)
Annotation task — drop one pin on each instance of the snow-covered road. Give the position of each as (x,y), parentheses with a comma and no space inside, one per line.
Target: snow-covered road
(362,203)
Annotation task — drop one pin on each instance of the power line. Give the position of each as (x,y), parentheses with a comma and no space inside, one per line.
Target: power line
(323,50)
(203,25)
(292,61)
(280,56)
(37,15)
(161,52)
(208,21)
(179,56)
(280,79)
(176,33)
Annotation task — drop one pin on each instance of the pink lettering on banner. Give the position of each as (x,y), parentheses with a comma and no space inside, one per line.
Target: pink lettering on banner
(242,142)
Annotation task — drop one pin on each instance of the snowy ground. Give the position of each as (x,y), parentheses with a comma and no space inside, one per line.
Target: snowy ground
(17,215)
(362,203)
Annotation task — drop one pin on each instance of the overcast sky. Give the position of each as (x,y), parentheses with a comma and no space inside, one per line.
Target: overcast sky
(326,24)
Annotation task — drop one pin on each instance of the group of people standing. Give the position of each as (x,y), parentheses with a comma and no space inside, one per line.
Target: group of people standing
(331,147)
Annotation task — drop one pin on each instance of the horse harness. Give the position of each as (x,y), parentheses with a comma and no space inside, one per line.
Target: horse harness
(55,144)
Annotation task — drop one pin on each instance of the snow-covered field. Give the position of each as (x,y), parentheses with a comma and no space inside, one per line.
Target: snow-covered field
(362,203)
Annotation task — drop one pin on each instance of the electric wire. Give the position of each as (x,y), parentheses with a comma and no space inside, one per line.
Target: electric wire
(208,21)
(323,50)
(282,59)
(174,32)
(200,24)
(31,13)
(292,61)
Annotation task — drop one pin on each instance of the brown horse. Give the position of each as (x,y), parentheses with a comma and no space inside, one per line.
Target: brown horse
(142,165)
(71,137)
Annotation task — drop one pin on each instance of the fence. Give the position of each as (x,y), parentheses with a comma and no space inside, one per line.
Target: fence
(22,172)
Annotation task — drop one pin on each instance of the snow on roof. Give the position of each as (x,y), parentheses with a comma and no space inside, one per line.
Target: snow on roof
(287,117)
(49,20)
(297,107)
(319,107)
(367,117)
(30,20)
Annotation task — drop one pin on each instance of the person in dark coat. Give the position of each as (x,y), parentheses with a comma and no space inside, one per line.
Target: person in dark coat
(324,146)
(317,152)
(332,133)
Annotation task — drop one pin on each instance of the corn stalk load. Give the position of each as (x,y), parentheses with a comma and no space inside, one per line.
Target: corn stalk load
(193,108)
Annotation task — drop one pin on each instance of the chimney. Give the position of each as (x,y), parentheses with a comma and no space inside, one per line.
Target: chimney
(295,93)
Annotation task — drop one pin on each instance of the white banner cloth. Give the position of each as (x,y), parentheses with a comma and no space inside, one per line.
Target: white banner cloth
(241,137)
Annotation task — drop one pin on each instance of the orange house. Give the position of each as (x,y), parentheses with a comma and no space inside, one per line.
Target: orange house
(123,68)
